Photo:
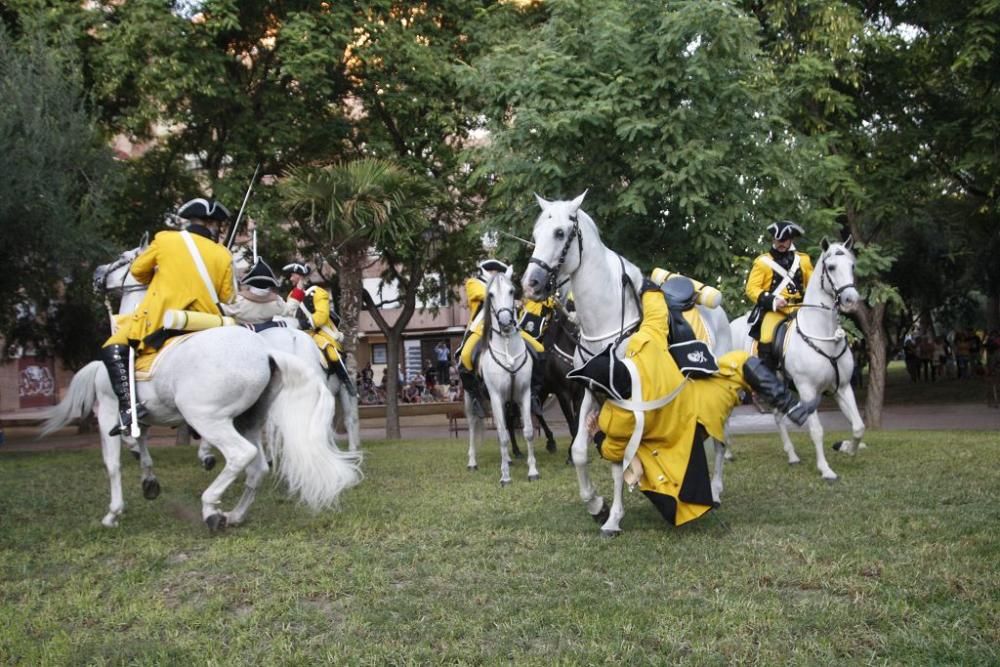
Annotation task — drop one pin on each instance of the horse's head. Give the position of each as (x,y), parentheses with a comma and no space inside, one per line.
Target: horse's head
(113,275)
(836,269)
(500,307)
(558,247)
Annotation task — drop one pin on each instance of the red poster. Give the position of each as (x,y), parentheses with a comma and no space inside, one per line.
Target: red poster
(36,382)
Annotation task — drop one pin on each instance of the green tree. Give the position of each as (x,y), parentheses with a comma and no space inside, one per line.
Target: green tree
(347,209)
(54,194)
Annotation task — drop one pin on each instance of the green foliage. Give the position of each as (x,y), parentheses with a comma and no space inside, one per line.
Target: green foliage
(56,184)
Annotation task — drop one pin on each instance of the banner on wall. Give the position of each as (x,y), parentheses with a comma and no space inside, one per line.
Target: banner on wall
(36,382)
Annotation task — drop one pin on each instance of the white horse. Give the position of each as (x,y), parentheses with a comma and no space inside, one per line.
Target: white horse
(817,356)
(117,277)
(227,384)
(605,288)
(505,367)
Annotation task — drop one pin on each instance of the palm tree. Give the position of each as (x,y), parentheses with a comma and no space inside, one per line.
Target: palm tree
(346,208)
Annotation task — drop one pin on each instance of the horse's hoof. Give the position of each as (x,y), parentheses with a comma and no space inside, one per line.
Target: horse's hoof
(208,462)
(831,480)
(603,515)
(216,523)
(837,445)
(794,463)
(550,446)
(504,483)
(610,533)
(534,478)
(472,468)
(518,455)
(150,488)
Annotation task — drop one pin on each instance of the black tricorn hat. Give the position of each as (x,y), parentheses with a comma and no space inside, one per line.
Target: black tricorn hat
(605,373)
(783,229)
(493,265)
(203,209)
(260,276)
(296,267)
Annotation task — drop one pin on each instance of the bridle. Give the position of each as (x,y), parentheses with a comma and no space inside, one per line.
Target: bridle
(489,330)
(552,272)
(826,276)
(836,292)
(101,282)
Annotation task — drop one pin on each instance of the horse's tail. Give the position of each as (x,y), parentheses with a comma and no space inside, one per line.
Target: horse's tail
(79,400)
(300,432)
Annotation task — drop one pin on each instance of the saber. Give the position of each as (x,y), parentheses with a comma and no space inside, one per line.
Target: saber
(134,429)
(255,246)
(526,242)
(239,216)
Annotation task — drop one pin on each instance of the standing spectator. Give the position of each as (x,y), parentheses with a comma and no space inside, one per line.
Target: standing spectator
(940,357)
(911,358)
(442,355)
(925,351)
(963,352)
(975,352)
(430,378)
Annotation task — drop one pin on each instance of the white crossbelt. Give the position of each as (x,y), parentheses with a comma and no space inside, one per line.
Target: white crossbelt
(199,264)
(785,275)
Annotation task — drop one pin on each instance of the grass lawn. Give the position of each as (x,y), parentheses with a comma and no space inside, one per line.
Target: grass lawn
(426,563)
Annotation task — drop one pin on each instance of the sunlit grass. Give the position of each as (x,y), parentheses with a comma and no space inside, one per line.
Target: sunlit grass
(427,563)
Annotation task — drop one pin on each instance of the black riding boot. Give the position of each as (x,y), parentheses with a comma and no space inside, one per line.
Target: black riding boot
(115,358)
(537,380)
(774,391)
(473,387)
(338,368)
(765,352)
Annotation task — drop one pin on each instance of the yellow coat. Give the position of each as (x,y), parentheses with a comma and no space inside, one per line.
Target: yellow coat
(316,309)
(668,433)
(534,317)
(175,283)
(762,280)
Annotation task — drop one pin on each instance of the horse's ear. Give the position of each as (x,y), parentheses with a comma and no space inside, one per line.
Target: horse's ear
(542,202)
(579,200)
(849,243)
(510,272)
(144,241)
(824,244)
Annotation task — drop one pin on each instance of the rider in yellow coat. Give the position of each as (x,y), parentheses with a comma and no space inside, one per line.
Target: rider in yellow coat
(776,284)
(533,321)
(311,305)
(170,266)
(475,294)
(654,419)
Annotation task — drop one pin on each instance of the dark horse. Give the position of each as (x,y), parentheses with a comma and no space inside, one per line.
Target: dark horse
(559,341)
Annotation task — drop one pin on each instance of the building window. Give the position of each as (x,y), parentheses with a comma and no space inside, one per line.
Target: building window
(379,353)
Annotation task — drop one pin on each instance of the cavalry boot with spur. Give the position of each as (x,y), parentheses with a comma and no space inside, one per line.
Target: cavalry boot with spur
(341,372)
(115,358)
(537,380)
(767,385)
(471,385)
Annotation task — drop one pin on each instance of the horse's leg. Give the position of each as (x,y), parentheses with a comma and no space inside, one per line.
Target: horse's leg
(475,425)
(503,435)
(510,421)
(720,461)
(816,434)
(588,494)
(786,441)
(111,450)
(849,406)
(238,452)
(349,404)
(612,527)
(150,485)
(528,429)
(205,454)
(550,440)
(728,444)
(256,472)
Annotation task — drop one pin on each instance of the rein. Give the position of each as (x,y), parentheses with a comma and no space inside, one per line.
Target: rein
(552,272)
(489,330)
(835,292)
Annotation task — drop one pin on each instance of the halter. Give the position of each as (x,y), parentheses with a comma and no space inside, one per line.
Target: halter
(490,329)
(552,272)
(835,292)
(101,284)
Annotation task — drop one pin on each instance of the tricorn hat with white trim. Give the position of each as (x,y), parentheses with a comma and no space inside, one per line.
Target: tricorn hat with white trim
(296,267)
(260,275)
(605,373)
(492,265)
(783,229)
(203,209)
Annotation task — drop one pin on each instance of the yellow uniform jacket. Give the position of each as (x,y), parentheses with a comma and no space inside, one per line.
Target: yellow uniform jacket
(175,283)
(535,317)
(764,283)
(475,294)
(314,315)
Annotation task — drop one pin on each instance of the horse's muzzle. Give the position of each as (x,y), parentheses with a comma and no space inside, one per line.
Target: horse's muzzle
(535,283)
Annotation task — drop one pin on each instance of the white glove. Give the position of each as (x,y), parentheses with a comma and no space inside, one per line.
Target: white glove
(573,317)
(338,336)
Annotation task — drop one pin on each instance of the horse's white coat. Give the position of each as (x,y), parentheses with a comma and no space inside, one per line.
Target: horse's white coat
(607,305)
(811,372)
(505,367)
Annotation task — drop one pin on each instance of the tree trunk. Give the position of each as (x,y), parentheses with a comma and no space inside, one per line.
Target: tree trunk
(872,320)
(351,286)
(392,347)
